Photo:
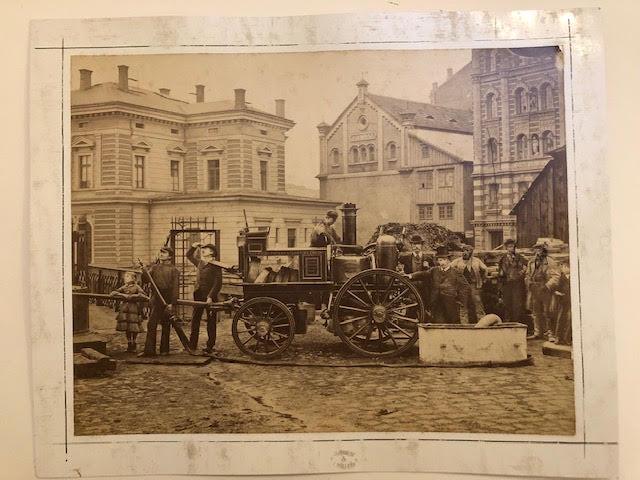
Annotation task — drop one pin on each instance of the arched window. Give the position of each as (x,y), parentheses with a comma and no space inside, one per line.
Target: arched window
(492,150)
(535,144)
(392,150)
(335,156)
(363,153)
(491,106)
(372,153)
(533,99)
(547,141)
(521,146)
(546,97)
(354,155)
(521,105)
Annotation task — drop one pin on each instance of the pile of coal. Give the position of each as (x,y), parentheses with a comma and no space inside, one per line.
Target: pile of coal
(433,235)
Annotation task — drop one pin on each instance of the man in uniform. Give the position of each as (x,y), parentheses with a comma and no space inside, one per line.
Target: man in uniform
(511,270)
(416,261)
(167,278)
(448,286)
(540,276)
(206,289)
(475,273)
(323,233)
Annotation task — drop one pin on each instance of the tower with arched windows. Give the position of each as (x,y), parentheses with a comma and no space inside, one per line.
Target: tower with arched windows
(518,117)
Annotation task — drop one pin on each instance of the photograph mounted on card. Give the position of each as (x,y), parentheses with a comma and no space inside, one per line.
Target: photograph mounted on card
(380,249)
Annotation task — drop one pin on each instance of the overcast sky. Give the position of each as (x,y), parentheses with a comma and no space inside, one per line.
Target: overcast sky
(316,86)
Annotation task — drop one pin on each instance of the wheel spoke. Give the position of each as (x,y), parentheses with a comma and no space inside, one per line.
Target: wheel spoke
(274,342)
(401,329)
(403,307)
(392,337)
(273,332)
(366,290)
(406,319)
(351,320)
(386,292)
(358,331)
(268,314)
(353,308)
(399,297)
(358,298)
(366,340)
(247,340)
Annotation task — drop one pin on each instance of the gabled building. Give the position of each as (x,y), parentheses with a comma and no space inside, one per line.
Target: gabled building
(141,158)
(399,161)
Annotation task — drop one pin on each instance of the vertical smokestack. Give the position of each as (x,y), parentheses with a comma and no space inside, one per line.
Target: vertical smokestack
(349,225)
(239,97)
(449,73)
(85,79)
(432,95)
(165,91)
(280,107)
(199,93)
(123,77)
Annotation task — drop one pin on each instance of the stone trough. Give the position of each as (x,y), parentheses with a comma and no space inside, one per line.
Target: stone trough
(455,345)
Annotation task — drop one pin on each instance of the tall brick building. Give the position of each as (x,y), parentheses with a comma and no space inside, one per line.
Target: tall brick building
(140,158)
(518,117)
(399,161)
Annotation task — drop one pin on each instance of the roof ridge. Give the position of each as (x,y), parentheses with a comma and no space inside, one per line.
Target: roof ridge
(432,105)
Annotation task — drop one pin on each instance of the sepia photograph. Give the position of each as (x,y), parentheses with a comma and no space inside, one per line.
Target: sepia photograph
(322,241)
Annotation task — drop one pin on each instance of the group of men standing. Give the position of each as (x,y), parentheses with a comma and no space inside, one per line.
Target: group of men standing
(452,290)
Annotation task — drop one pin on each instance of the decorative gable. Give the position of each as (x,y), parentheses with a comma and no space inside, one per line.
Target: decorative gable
(83,142)
(266,151)
(209,148)
(176,149)
(141,145)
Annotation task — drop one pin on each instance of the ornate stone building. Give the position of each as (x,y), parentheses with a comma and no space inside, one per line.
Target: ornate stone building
(399,161)
(518,117)
(140,158)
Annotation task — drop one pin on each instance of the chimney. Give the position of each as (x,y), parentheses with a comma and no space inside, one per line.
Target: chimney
(280,107)
(85,79)
(123,77)
(200,93)
(362,90)
(165,91)
(449,73)
(408,119)
(349,225)
(239,97)
(432,95)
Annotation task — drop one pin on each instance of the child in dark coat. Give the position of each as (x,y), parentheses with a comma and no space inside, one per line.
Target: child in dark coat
(129,318)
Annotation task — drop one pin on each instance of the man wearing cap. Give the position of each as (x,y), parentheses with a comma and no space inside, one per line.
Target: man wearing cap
(323,233)
(448,286)
(416,261)
(206,289)
(167,278)
(540,276)
(511,271)
(475,273)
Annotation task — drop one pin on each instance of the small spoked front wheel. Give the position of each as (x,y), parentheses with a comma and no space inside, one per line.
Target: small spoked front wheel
(263,327)
(377,312)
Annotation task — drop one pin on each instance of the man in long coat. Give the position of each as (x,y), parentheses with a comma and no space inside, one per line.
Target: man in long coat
(475,273)
(540,276)
(417,261)
(511,271)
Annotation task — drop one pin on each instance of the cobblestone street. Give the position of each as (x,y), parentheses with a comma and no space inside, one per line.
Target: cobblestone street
(352,394)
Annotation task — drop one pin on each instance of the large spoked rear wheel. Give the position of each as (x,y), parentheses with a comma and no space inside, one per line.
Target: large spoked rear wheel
(376,313)
(263,327)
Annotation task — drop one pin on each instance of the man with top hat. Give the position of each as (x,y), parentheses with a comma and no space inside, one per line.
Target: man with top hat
(448,287)
(475,273)
(540,277)
(323,233)
(167,278)
(511,270)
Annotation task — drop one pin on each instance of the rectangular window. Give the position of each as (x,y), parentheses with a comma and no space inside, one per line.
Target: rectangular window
(263,175)
(445,211)
(213,130)
(138,171)
(291,237)
(263,132)
(493,195)
(82,124)
(445,178)
(426,179)
(175,131)
(139,125)
(175,175)
(213,173)
(85,171)
(425,212)
(277,235)
(306,235)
